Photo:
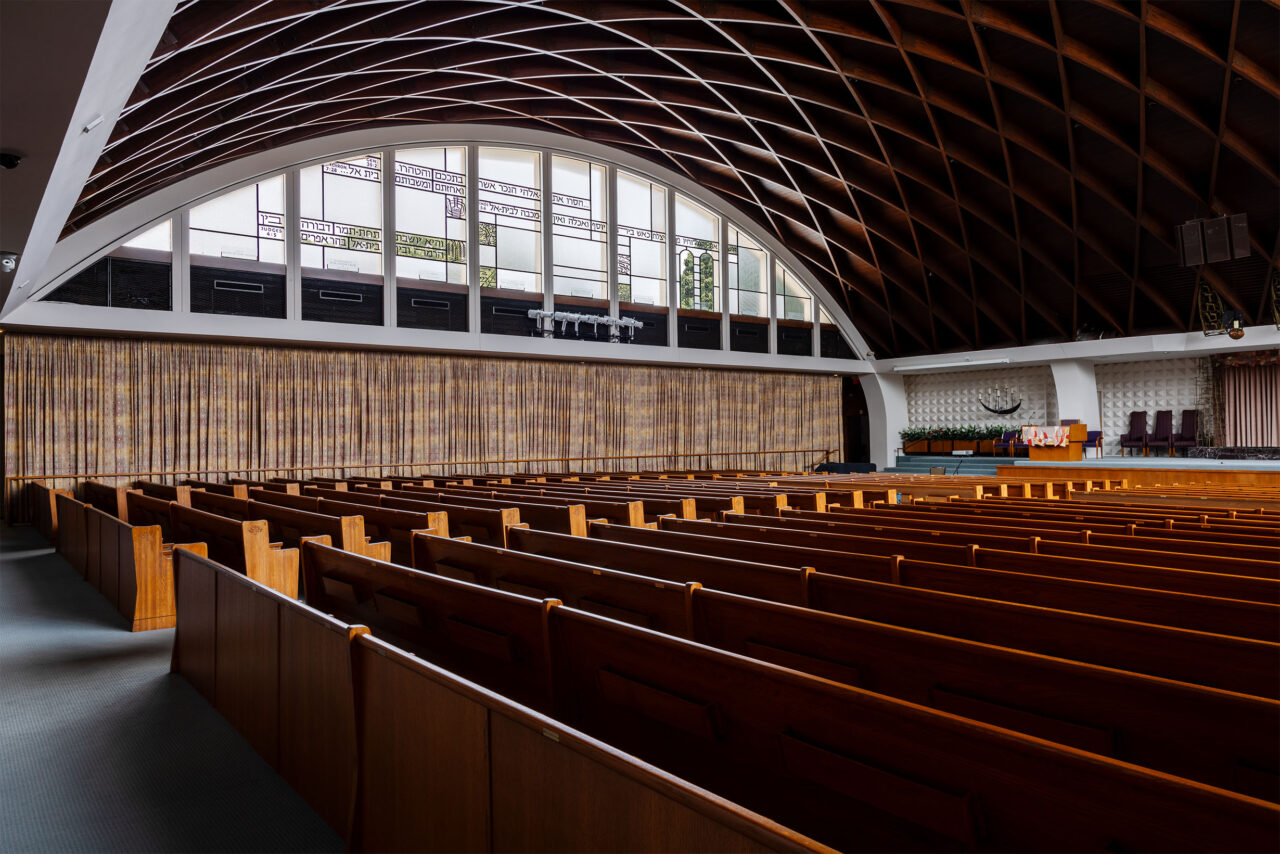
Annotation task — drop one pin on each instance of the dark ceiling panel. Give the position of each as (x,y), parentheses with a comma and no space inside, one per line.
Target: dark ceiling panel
(958,174)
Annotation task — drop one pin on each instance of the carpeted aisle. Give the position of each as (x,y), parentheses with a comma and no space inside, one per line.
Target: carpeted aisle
(101,749)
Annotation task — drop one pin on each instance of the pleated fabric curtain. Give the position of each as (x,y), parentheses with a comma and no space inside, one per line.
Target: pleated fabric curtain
(1251,406)
(84,405)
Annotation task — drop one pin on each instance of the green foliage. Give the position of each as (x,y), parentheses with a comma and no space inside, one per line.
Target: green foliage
(686,280)
(708,283)
(956,434)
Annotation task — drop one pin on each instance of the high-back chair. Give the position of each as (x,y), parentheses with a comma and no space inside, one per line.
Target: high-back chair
(1137,435)
(1186,437)
(1094,438)
(1162,436)
(1005,442)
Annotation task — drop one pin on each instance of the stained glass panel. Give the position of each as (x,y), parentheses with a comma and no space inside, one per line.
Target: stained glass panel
(697,254)
(642,241)
(431,214)
(510,214)
(341,208)
(246,224)
(578,227)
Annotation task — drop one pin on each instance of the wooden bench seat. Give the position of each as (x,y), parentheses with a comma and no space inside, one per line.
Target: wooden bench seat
(44,501)
(621,512)
(1262,573)
(132,567)
(1202,613)
(643,601)
(1157,723)
(1220,661)
(1176,540)
(244,546)
(498,639)
(145,509)
(108,499)
(235,490)
(566,519)
(180,493)
(292,487)
(385,523)
(481,524)
(857,770)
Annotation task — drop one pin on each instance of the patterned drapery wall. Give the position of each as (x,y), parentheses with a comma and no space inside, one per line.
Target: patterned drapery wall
(101,405)
(1251,406)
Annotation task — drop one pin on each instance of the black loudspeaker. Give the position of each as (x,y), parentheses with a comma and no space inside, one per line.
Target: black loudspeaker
(1240,236)
(1190,248)
(1217,240)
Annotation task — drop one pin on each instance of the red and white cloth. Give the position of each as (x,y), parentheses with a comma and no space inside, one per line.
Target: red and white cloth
(1046,437)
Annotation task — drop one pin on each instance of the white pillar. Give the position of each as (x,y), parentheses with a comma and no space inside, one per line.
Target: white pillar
(1077,391)
(886,415)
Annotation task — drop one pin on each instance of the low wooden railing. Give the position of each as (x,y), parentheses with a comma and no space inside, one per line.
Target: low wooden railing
(17,508)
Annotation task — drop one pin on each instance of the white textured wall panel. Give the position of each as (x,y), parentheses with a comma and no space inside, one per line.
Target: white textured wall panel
(951,399)
(1126,387)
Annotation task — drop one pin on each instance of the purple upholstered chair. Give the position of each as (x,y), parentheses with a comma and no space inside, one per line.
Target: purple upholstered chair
(1186,437)
(1163,435)
(1137,435)
(1005,442)
(1094,438)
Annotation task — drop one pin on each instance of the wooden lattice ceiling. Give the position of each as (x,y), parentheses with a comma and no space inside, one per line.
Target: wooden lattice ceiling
(959,174)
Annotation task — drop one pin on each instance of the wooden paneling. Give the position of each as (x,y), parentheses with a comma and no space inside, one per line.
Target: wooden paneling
(195,641)
(549,796)
(247,679)
(317,713)
(424,764)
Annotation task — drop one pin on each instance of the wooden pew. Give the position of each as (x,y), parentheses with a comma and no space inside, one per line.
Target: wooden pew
(498,639)
(45,512)
(146,510)
(279,672)
(135,569)
(1257,620)
(180,493)
(1211,736)
(394,526)
(568,519)
(290,527)
(244,546)
(477,765)
(481,524)
(1105,533)
(1138,569)
(72,533)
(860,771)
(620,512)
(108,499)
(224,505)
(642,601)
(235,490)
(1219,661)
(764,581)
(292,487)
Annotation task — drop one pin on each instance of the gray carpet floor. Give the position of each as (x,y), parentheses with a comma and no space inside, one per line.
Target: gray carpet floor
(102,749)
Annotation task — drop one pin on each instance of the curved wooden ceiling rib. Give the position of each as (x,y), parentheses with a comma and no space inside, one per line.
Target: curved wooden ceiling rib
(959,174)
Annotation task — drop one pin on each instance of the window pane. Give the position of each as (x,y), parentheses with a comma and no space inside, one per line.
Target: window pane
(578,228)
(341,237)
(431,218)
(156,239)
(697,254)
(748,287)
(642,241)
(794,302)
(510,219)
(341,210)
(245,224)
